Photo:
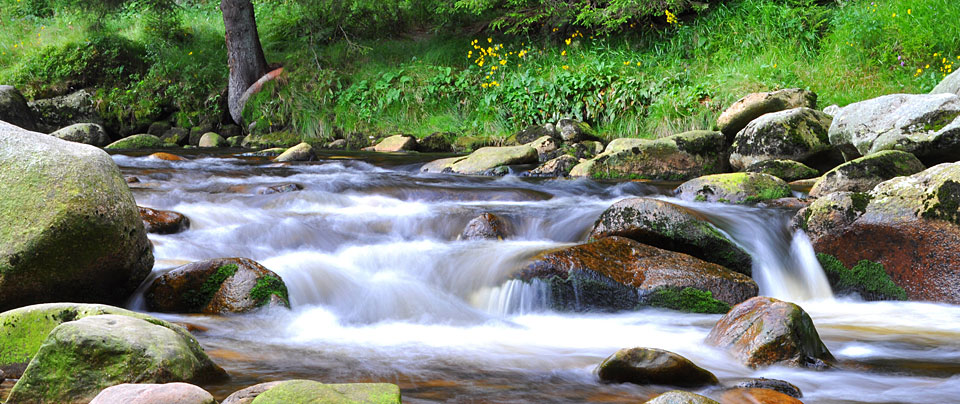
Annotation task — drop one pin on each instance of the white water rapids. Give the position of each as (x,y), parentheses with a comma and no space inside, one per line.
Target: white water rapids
(382,290)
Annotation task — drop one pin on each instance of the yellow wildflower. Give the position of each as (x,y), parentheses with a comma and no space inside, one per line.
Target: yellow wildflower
(910,11)
(565,67)
(564,53)
(190,54)
(484,85)
(493,68)
(489,40)
(567,41)
(502,62)
(638,63)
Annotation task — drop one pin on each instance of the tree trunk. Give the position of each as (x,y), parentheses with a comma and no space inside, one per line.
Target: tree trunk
(244,54)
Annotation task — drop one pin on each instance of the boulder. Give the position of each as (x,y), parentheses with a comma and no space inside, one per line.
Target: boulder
(770,384)
(69,226)
(86,133)
(673,158)
(909,225)
(787,170)
(832,110)
(436,143)
(572,131)
(211,139)
(141,141)
(680,397)
(441,166)
(544,146)
(308,391)
(734,188)
(486,227)
(169,393)
(14,109)
(163,221)
(653,366)
(300,152)
(765,331)
(755,105)
(798,134)
(534,132)
(624,143)
(60,112)
(489,158)
(672,227)
(926,125)
(616,273)
(80,358)
(949,85)
(755,396)
(166,157)
(339,144)
(176,136)
(235,141)
(864,173)
(224,285)
(396,143)
(558,167)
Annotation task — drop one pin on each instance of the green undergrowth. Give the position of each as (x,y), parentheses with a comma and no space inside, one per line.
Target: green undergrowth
(866,278)
(687,299)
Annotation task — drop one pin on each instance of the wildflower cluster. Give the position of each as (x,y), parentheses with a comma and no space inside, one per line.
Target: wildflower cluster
(946,65)
(497,56)
(671,17)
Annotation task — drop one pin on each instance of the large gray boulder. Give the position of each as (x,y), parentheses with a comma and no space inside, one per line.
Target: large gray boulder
(798,134)
(862,174)
(69,227)
(86,133)
(396,143)
(673,158)
(59,112)
(926,125)
(14,109)
(488,158)
(755,105)
(949,84)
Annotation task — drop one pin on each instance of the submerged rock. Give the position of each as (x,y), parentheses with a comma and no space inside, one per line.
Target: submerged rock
(279,188)
(672,227)
(755,105)
(141,141)
(734,188)
(673,158)
(308,391)
(653,366)
(765,331)
(680,397)
(787,170)
(864,173)
(487,227)
(798,134)
(224,285)
(14,109)
(80,358)
(86,133)
(169,393)
(300,152)
(69,226)
(166,157)
(163,221)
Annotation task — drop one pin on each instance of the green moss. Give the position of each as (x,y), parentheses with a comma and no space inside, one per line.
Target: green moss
(142,141)
(941,121)
(197,299)
(269,286)
(860,201)
(867,278)
(687,299)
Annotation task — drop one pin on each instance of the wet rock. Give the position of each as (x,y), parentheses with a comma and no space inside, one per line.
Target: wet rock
(80,358)
(534,132)
(71,230)
(544,146)
(300,152)
(211,139)
(787,170)
(132,179)
(223,285)
(441,166)
(163,221)
(673,158)
(279,188)
(489,158)
(308,391)
(949,84)
(14,109)
(178,393)
(616,273)
(755,396)
(765,331)
(396,143)
(86,133)
(436,143)
(864,173)
(770,384)
(755,105)
(573,131)
(558,167)
(680,397)
(926,125)
(672,227)
(486,227)
(798,134)
(339,144)
(176,136)
(166,157)
(60,112)
(734,188)
(653,366)
(141,141)
(790,203)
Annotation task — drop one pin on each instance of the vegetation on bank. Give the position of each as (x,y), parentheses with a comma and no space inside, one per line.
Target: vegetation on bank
(632,69)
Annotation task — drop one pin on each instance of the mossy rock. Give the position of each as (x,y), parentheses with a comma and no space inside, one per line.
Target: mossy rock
(798,134)
(787,170)
(300,152)
(755,105)
(489,158)
(734,188)
(69,227)
(86,133)
(224,285)
(688,300)
(930,194)
(864,173)
(210,139)
(141,141)
(311,392)
(673,158)
(653,366)
(867,279)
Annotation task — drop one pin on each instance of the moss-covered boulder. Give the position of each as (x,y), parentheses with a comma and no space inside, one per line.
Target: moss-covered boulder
(680,397)
(59,112)
(926,125)
(534,132)
(300,152)
(69,227)
(949,84)
(734,188)
(396,143)
(866,279)
(487,226)
(176,136)
(308,392)
(224,285)
(211,139)
(486,159)
(441,166)
(672,158)
(787,170)
(86,133)
(755,105)
(14,109)
(141,141)
(765,331)
(624,143)
(149,393)
(436,142)
(557,167)
(864,173)
(546,146)
(163,221)
(80,358)
(573,131)
(616,273)
(798,134)
(653,366)
(672,227)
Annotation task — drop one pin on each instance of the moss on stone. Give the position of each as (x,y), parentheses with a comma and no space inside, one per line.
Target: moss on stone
(867,278)
(197,299)
(142,141)
(308,391)
(687,299)
(269,286)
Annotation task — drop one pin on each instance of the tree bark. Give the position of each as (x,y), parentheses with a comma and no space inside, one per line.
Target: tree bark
(244,54)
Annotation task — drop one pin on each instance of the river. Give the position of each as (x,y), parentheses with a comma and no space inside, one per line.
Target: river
(383,290)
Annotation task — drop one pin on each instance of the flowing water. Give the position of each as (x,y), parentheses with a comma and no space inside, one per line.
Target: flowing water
(383,290)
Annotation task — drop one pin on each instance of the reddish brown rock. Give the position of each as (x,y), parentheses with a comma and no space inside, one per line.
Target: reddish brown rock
(163,221)
(167,156)
(653,366)
(756,396)
(486,227)
(224,285)
(765,331)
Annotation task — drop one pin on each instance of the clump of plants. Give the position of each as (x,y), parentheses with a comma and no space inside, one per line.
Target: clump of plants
(867,279)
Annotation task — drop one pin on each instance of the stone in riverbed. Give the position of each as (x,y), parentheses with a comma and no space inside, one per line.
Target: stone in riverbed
(300,152)
(14,109)
(771,384)
(396,143)
(755,396)
(755,105)
(436,143)
(279,188)
(176,136)
(163,221)
(672,227)
(534,132)
(545,147)
(680,397)
(864,173)
(486,227)
(653,366)
(734,188)
(210,140)
(573,131)
(798,134)
(308,391)
(489,158)
(141,141)
(167,157)
(69,226)
(765,331)
(441,166)
(558,167)
(673,158)
(787,170)
(169,393)
(80,358)
(86,133)
(224,285)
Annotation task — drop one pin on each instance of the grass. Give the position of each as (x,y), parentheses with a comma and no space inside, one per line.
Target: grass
(650,80)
